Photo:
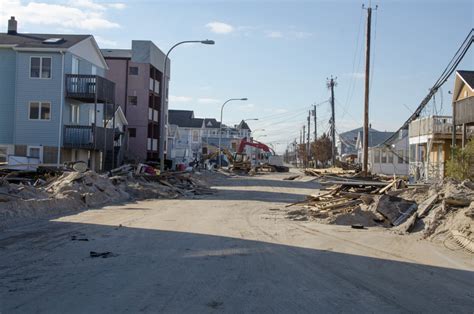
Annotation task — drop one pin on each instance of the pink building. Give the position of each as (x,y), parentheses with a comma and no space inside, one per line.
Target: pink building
(138,73)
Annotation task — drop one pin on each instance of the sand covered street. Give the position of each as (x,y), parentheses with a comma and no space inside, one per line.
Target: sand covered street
(233,251)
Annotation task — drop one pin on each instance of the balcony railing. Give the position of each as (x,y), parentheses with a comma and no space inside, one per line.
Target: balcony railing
(90,87)
(442,125)
(88,137)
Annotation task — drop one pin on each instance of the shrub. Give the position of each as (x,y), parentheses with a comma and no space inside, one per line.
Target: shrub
(461,164)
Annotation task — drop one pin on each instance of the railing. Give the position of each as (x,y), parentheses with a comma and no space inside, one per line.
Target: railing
(88,137)
(85,87)
(432,125)
(427,171)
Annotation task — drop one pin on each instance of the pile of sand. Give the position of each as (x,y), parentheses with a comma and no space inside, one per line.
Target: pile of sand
(73,191)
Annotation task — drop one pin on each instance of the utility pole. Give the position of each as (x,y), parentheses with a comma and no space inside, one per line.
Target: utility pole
(315,125)
(331,83)
(304,145)
(365,156)
(309,139)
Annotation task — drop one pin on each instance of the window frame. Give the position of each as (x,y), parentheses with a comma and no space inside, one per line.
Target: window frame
(134,67)
(40,110)
(2,155)
(130,103)
(75,114)
(40,151)
(41,68)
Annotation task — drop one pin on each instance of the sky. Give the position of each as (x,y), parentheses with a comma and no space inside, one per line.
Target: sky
(279,54)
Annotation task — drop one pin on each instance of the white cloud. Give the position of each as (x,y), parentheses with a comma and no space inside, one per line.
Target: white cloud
(118,6)
(82,14)
(274,34)
(208,101)
(281,110)
(103,42)
(180,98)
(220,28)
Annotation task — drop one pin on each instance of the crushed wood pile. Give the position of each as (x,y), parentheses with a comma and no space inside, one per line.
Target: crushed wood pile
(439,211)
(320,172)
(30,194)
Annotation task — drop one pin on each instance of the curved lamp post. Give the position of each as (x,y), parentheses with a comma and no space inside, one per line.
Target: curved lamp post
(163,96)
(220,126)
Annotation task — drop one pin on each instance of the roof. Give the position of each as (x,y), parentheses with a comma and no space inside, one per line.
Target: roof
(467,77)
(184,119)
(211,123)
(117,53)
(243,125)
(36,40)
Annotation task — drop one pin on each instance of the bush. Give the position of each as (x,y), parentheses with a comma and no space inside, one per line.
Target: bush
(461,164)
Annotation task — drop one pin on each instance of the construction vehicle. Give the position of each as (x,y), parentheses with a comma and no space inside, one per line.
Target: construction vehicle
(273,162)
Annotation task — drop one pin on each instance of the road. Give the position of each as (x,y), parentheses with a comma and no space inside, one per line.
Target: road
(231,252)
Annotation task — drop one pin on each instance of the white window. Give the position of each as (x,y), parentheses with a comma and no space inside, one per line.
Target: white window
(390,157)
(40,67)
(35,152)
(39,111)
(94,70)
(195,136)
(400,156)
(75,114)
(75,65)
(91,116)
(384,157)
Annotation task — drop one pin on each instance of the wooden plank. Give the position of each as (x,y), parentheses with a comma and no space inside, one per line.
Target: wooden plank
(426,205)
(389,186)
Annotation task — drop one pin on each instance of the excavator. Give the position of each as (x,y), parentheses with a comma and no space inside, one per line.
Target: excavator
(240,161)
(273,163)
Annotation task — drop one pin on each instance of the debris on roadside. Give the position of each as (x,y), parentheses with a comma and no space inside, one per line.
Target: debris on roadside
(25,194)
(436,211)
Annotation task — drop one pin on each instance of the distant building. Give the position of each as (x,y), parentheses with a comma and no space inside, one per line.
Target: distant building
(188,130)
(138,73)
(55,100)
(375,138)
(390,158)
(346,145)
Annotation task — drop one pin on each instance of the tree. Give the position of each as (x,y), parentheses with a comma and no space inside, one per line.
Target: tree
(322,149)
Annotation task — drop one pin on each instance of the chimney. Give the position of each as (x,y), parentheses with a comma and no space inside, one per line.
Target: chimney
(12,26)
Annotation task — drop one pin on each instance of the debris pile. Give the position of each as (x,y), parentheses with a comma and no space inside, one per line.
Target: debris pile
(29,194)
(438,211)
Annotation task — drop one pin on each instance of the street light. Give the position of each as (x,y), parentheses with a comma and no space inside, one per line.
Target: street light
(220,126)
(163,135)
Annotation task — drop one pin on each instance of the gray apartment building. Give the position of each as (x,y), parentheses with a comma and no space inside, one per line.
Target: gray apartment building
(138,73)
(55,105)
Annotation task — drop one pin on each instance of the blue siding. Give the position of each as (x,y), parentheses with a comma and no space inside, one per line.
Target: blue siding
(7,95)
(29,132)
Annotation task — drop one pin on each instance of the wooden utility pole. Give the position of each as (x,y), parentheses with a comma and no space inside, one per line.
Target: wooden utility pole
(365,156)
(315,124)
(304,145)
(309,136)
(331,84)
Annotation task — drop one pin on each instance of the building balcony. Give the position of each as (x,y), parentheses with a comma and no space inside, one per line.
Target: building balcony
(88,137)
(465,111)
(90,88)
(432,126)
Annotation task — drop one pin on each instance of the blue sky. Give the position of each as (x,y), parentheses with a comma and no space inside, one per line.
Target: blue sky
(279,54)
